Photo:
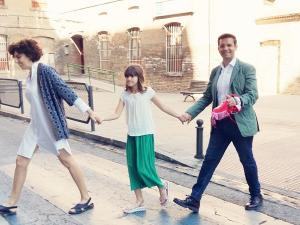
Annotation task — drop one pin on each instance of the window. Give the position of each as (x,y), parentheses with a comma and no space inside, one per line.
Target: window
(134,49)
(268,2)
(3,53)
(135,7)
(104,49)
(102,14)
(2,3)
(39,4)
(173,47)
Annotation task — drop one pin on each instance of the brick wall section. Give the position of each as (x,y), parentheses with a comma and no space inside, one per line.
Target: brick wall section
(90,49)
(61,59)
(154,62)
(153,49)
(118,58)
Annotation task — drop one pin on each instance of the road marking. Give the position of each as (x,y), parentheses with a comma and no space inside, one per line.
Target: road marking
(3,221)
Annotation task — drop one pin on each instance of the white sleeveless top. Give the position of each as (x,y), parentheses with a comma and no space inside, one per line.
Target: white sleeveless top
(138,112)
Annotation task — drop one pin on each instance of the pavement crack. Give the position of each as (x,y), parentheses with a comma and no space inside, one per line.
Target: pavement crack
(230,220)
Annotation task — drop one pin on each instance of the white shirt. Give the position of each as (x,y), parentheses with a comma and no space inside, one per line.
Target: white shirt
(223,85)
(138,112)
(39,132)
(224,81)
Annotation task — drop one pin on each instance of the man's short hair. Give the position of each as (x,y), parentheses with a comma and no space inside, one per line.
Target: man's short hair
(227,35)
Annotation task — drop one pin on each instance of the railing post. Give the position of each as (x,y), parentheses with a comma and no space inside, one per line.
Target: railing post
(114,82)
(21,96)
(89,73)
(91,104)
(68,69)
(199,140)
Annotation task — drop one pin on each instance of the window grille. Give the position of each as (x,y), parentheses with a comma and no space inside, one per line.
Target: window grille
(174,47)
(3,53)
(104,49)
(39,4)
(134,49)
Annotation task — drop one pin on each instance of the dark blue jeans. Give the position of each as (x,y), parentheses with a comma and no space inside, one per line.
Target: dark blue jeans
(226,131)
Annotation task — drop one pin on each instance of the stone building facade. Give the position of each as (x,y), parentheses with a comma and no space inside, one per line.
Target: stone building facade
(174,40)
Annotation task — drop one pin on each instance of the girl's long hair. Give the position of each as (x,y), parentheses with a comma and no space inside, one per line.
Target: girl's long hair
(136,70)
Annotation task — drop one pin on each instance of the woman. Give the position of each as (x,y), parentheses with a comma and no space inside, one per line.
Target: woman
(48,129)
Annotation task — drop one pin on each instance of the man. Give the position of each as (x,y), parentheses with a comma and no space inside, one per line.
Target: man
(231,77)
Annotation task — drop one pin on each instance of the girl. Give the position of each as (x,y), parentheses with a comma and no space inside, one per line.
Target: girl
(140,140)
(48,129)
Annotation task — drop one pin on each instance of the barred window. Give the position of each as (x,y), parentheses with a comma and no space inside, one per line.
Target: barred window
(39,4)
(173,47)
(104,49)
(2,3)
(134,49)
(3,53)
(269,2)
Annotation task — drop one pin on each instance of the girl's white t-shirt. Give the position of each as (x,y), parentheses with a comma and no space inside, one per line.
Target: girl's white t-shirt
(138,112)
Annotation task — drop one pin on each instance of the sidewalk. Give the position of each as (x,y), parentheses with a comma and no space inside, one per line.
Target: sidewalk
(275,147)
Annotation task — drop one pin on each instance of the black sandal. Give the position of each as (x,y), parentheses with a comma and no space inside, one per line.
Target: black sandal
(81,207)
(5,210)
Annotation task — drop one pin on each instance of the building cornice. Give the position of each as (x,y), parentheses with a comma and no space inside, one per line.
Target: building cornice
(173,15)
(293,17)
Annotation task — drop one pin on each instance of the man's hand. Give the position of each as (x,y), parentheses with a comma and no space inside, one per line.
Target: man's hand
(231,101)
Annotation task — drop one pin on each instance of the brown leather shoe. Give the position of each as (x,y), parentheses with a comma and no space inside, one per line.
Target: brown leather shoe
(189,203)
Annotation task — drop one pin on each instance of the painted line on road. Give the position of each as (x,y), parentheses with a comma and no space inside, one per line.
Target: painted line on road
(3,221)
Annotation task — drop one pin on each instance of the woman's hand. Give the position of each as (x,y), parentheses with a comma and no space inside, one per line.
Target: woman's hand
(94,117)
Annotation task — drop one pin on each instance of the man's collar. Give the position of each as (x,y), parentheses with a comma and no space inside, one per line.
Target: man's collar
(232,63)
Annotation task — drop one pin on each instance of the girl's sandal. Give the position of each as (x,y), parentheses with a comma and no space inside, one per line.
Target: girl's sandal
(165,201)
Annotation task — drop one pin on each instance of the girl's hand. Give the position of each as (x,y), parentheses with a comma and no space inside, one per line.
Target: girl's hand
(185,117)
(94,117)
(180,119)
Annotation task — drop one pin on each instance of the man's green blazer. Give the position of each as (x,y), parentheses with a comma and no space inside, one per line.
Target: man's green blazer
(242,83)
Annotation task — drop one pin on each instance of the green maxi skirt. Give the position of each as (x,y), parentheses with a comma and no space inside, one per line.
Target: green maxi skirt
(141,162)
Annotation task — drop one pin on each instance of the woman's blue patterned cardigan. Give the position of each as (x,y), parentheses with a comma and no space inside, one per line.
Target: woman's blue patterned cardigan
(53,91)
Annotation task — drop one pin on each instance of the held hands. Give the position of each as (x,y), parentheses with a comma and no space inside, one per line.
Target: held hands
(94,117)
(185,117)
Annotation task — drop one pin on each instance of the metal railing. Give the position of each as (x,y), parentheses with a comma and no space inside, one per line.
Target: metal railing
(76,70)
(11,93)
(85,92)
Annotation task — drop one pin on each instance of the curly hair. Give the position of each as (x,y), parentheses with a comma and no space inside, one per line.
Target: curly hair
(28,47)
